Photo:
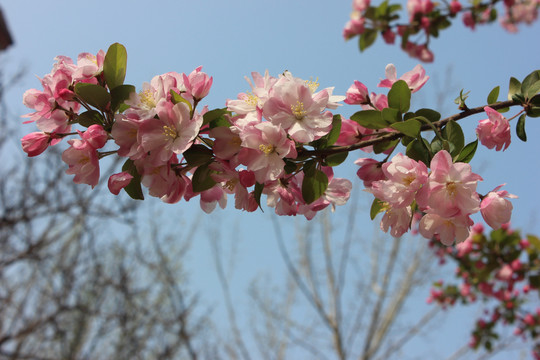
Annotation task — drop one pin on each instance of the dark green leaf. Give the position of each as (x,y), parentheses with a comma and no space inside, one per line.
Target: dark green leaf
(429,114)
(309,168)
(93,95)
(290,166)
(330,138)
(377,206)
(406,140)
(514,87)
(314,186)
(90,117)
(198,154)
(468,152)
(418,150)
(114,65)
(535,100)
(533,112)
(534,281)
(336,159)
(371,119)
(367,39)
(410,127)
(213,114)
(453,133)
(220,121)
(120,94)
(257,193)
(493,95)
(133,189)
(399,96)
(533,89)
(520,128)
(385,145)
(391,115)
(202,179)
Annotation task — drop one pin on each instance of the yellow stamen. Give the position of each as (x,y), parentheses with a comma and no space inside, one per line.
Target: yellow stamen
(251,99)
(147,99)
(451,188)
(267,149)
(298,110)
(170,132)
(312,85)
(407,180)
(229,185)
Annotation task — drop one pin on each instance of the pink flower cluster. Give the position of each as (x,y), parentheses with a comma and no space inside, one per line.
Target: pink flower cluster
(446,198)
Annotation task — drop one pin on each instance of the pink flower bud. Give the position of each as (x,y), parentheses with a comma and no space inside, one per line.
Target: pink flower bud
(96,136)
(495,209)
(198,83)
(389,36)
(35,143)
(455,6)
(357,94)
(529,320)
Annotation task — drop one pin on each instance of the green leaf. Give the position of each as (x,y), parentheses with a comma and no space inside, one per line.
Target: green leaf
(377,206)
(220,121)
(198,154)
(336,159)
(453,133)
(212,114)
(429,114)
(533,112)
(385,145)
(330,138)
(533,89)
(399,96)
(290,166)
(534,281)
(93,95)
(202,179)
(534,242)
(382,9)
(410,127)
(133,189)
(418,150)
(493,95)
(367,39)
(309,168)
(120,94)
(391,115)
(89,118)
(371,119)
(177,98)
(314,186)
(467,153)
(514,87)
(535,100)
(114,65)
(257,193)
(529,81)
(520,128)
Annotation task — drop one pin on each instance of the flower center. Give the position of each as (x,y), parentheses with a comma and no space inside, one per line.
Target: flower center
(267,149)
(451,188)
(407,180)
(298,110)
(251,100)
(147,99)
(229,185)
(312,85)
(170,132)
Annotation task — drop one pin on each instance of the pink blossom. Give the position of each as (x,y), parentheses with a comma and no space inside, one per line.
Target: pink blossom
(455,6)
(119,181)
(389,36)
(468,20)
(505,273)
(264,147)
(370,171)
(448,229)
(254,100)
(451,188)
(88,66)
(357,94)
(162,181)
(226,143)
(398,219)
(404,177)
(419,7)
(198,83)
(495,209)
(416,78)
(35,143)
(352,132)
(96,136)
(355,26)
(494,132)
(360,5)
(83,162)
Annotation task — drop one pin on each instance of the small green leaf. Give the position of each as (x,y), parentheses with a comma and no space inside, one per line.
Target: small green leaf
(120,94)
(534,241)
(399,96)
(93,95)
(212,114)
(202,179)
(453,133)
(533,89)
(467,153)
(429,114)
(377,206)
(529,81)
(257,193)
(533,112)
(535,101)
(513,88)
(313,187)
(493,95)
(391,115)
(198,154)
(367,39)
(177,98)
(133,189)
(383,146)
(371,119)
(520,128)
(290,166)
(330,138)
(410,127)
(114,65)
(220,121)
(309,167)
(336,159)
(89,118)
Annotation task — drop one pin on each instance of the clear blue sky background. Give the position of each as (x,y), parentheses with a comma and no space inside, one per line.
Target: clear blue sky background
(232,38)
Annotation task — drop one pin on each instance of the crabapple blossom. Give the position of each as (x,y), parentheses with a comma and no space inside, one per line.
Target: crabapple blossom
(495,209)
(447,229)
(96,136)
(357,94)
(396,219)
(197,83)
(119,181)
(416,78)
(83,162)
(35,143)
(370,171)
(494,132)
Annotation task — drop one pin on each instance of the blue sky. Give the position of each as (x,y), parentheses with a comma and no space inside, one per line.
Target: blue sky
(233,38)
